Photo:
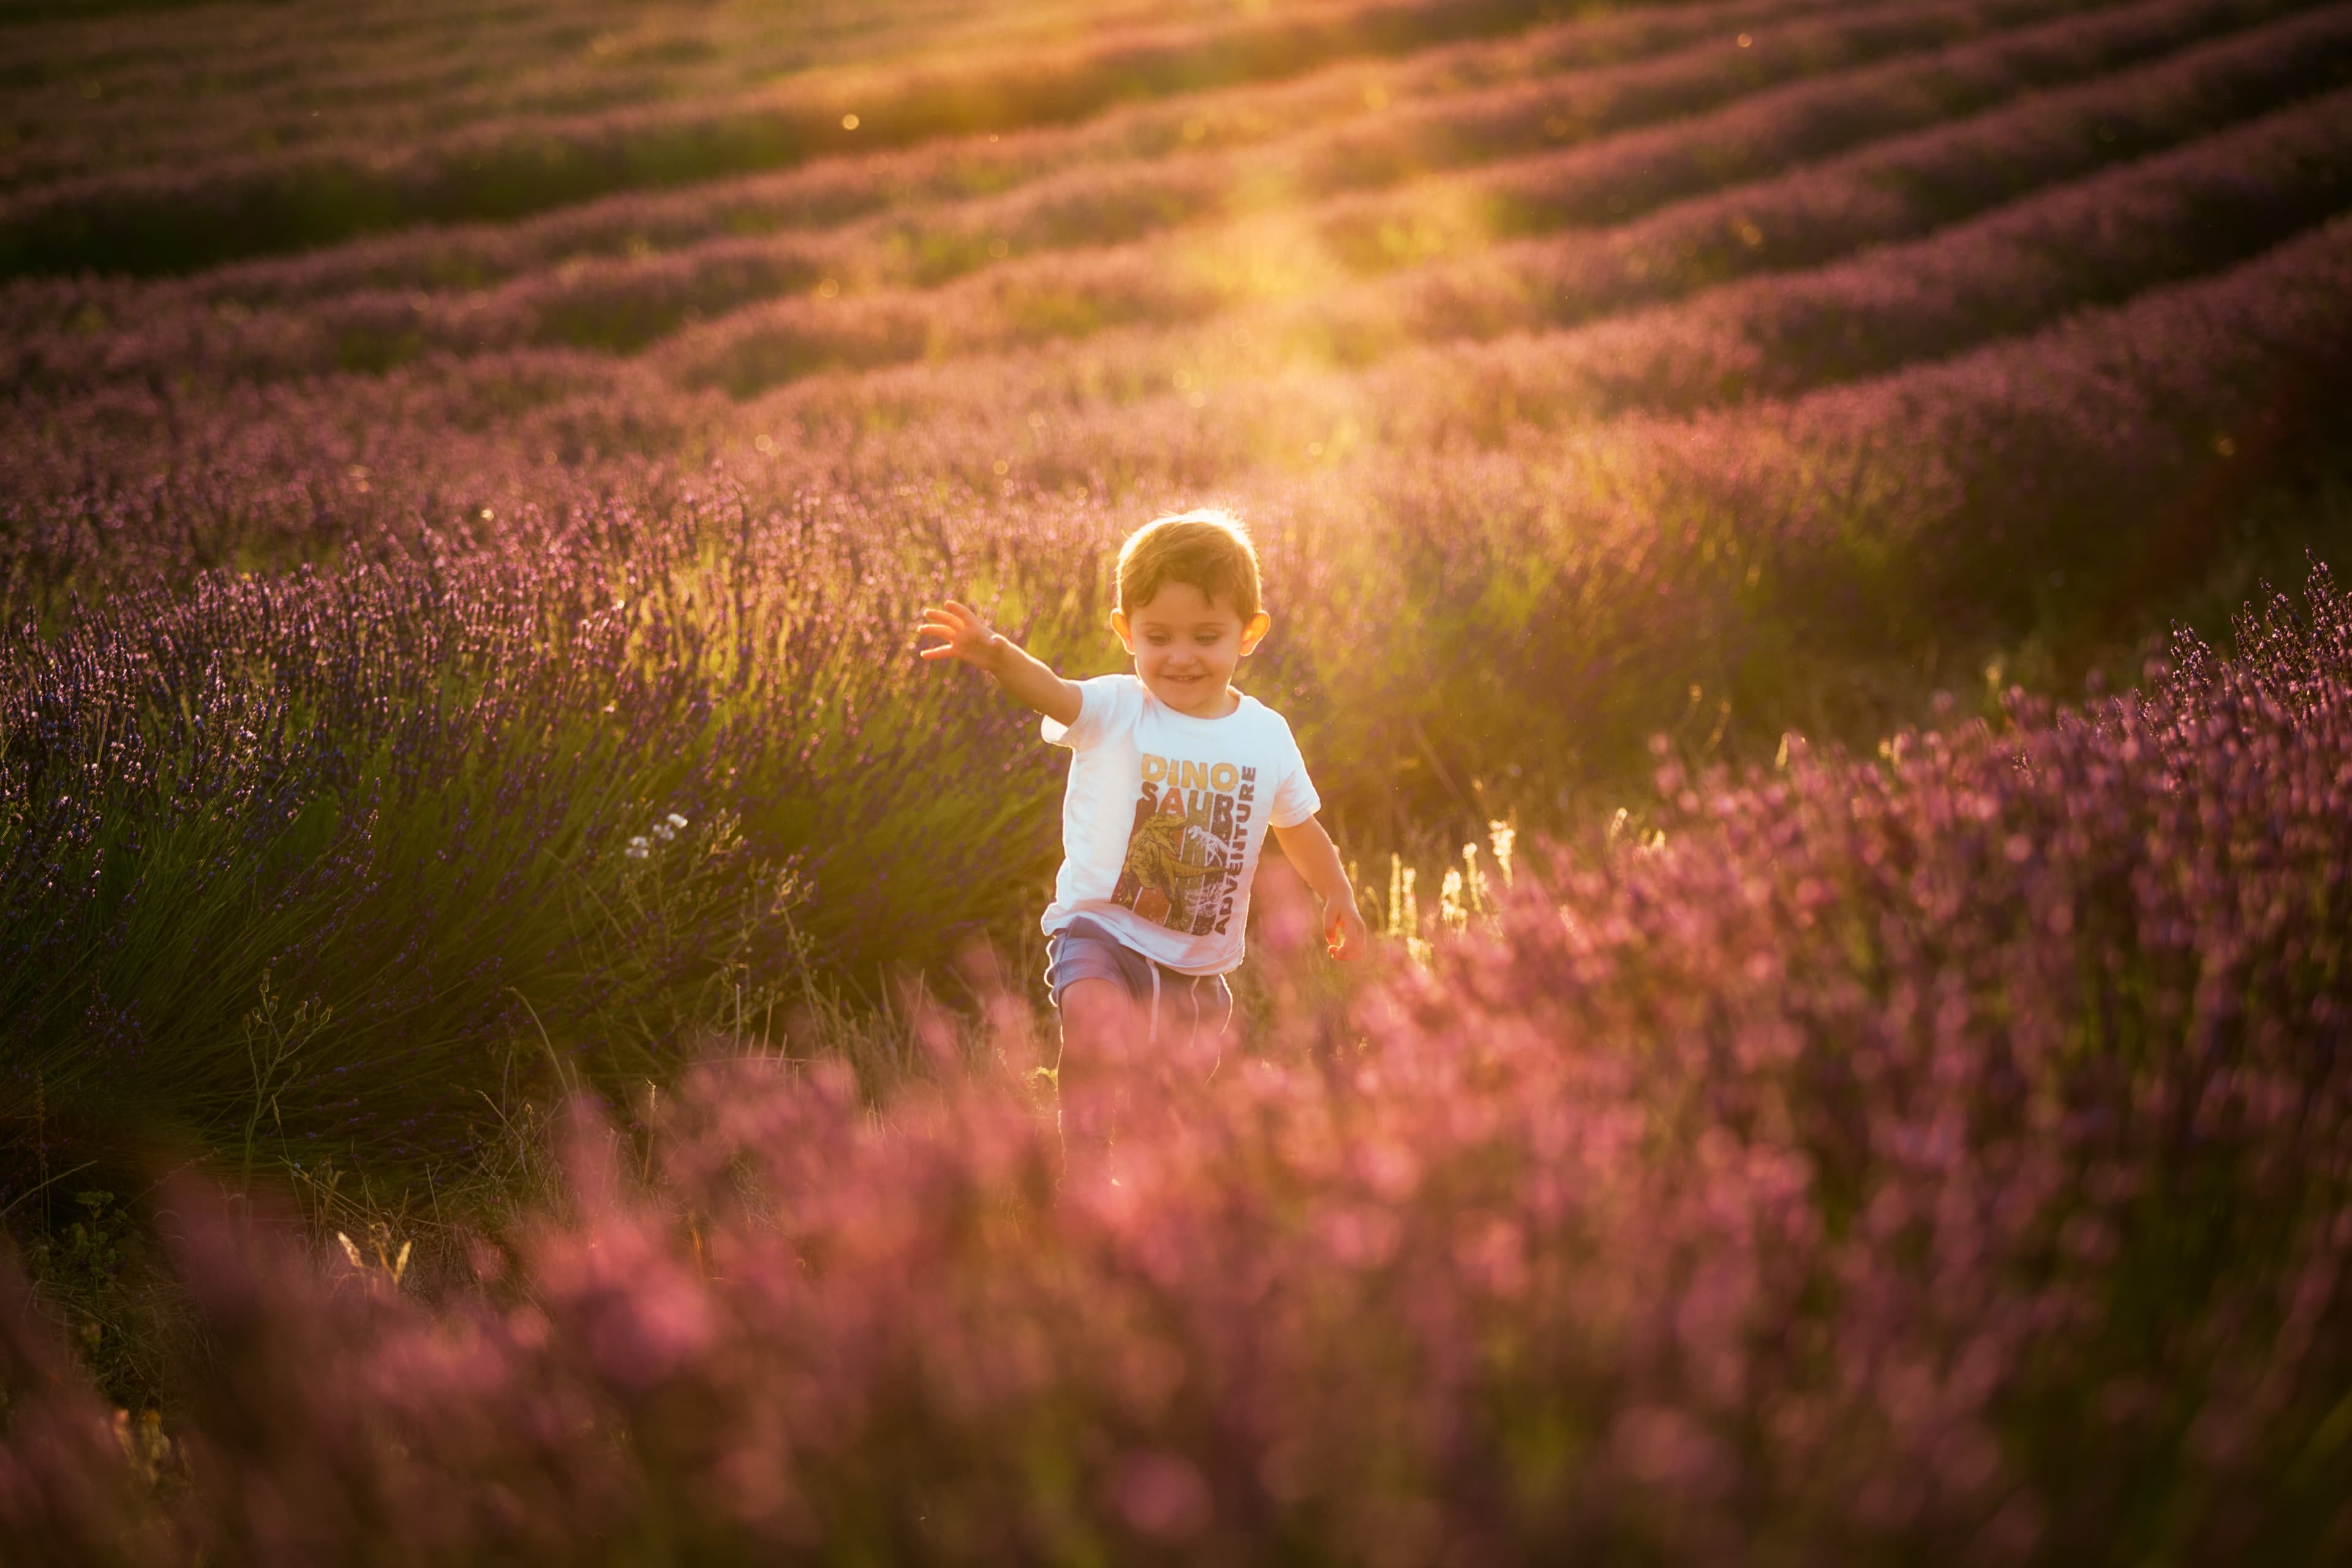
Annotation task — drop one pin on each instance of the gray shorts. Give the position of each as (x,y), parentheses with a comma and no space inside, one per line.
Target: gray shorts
(1085,950)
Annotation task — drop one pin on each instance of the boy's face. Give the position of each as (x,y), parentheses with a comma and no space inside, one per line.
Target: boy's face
(1186,647)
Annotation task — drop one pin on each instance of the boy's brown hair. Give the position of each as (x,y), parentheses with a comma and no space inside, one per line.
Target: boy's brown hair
(1209,550)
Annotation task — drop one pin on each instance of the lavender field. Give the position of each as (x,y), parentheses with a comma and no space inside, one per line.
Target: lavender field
(519,1029)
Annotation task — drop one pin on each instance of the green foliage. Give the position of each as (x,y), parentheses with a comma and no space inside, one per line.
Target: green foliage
(98,1279)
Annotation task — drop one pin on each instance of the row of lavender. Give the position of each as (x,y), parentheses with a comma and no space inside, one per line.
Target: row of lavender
(1946,1158)
(180,477)
(1899,189)
(408,791)
(837,190)
(2012,271)
(153,221)
(888,268)
(2144,221)
(108,88)
(2015,271)
(156,479)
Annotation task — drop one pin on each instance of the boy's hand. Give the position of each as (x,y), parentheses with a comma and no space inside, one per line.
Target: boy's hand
(963,636)
(1344,933)
(1316,858)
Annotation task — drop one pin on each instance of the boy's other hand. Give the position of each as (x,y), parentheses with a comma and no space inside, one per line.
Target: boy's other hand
(1344,933)
(962,634)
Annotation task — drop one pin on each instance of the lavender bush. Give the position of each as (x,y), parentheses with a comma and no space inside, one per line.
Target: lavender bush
(459,805)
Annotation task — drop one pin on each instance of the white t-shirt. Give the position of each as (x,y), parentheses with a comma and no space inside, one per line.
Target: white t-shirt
(1164,817)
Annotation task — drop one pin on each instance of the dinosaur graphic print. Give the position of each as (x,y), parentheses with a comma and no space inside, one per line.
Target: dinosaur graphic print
(1184,854)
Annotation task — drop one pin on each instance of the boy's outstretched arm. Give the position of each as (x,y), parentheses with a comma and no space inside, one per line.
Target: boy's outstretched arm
(1312,854)
(966,636)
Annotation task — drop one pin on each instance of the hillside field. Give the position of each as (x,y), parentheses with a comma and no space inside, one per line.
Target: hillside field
(1750,495)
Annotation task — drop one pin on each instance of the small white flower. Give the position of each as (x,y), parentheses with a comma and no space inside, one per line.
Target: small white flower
(665,832)
(676,820)
(638,848)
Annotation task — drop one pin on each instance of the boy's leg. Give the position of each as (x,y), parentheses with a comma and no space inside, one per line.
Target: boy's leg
(1098,1016)
(1213,1023)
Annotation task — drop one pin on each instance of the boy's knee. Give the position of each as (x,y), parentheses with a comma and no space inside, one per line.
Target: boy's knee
(1094,1010)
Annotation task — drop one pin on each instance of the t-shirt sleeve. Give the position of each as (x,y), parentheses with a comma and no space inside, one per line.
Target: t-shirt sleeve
(1102,706)
(1295,799)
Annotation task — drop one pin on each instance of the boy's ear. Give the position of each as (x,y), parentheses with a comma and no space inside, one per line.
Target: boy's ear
(1258,625)
(1125,633)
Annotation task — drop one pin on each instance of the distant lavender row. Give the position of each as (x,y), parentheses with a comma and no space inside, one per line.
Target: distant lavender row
(1916,183)
(1887,191)
(2178,213)
(624,301)
(150,223)
(2181,214)
(179,89)
(1931,1160)
(624,304)
(1768,134)
(837,190)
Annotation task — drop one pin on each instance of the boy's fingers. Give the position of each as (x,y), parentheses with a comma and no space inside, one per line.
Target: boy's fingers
(1347,934)
(954,621)
(1335,935)
(951,638)
(962,633)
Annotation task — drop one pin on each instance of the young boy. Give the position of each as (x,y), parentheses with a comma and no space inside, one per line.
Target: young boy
(1177,777)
